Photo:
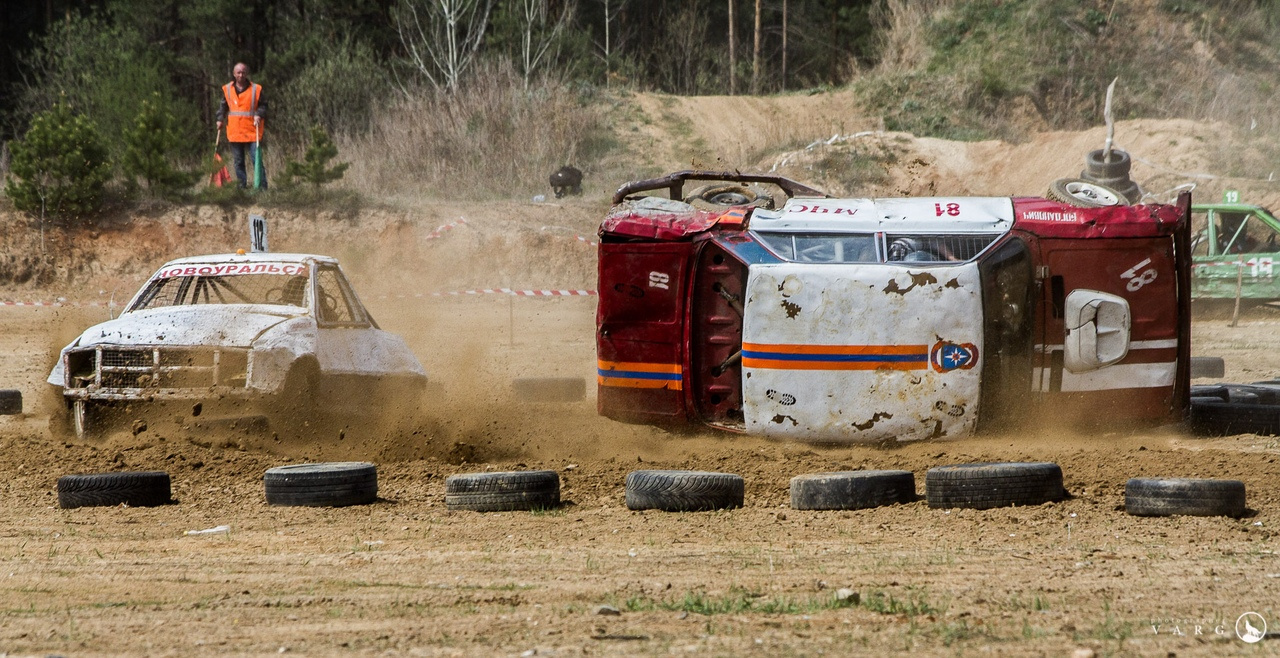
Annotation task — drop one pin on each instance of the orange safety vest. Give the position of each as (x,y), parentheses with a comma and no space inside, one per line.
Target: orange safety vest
(241,106)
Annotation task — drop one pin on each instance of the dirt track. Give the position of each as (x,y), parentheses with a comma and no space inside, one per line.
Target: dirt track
(406,576)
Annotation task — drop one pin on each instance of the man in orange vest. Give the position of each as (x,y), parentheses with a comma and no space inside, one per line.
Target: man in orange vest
(243,110)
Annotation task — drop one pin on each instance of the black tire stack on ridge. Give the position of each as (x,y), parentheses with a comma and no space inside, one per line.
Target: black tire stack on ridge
(506,491)
(10,402)
(132,488)
(1112,172)
(1222,409)
(332,484)
(1184,497)
(988,485)
(683,491)
(849,490)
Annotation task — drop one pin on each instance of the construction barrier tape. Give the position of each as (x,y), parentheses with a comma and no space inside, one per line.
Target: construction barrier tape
(450,293)
(440,230)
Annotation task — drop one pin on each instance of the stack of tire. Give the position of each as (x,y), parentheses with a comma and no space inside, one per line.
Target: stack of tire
(1111,170)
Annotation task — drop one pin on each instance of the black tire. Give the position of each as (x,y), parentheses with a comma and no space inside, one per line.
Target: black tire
(1084,194)
(333,484)
(722,196)
(502,491)
(550,389)
(1208,366)
(845,490)
(1116,166)
(988,485)
(683,491)
(1212,416)
(132,488)
(1184,497)
(10,402)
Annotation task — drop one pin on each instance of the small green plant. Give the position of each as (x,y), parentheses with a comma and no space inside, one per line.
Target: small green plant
(314,167)
(149,148)
(60,166)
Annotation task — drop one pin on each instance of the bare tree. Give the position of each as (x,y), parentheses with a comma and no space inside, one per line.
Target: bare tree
(733,59)
(611,10)
(536,38)
(755,55)
(784,45)
(442,37)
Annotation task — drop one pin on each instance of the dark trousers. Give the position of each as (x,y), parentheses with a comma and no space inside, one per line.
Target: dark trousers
(239,152)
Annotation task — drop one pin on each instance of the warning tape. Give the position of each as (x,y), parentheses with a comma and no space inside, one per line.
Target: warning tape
(440,230)
(580,238)
(61,303)
(450,293)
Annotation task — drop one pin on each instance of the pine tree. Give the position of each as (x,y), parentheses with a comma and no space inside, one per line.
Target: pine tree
(149,146)
(60,166)
(314,167)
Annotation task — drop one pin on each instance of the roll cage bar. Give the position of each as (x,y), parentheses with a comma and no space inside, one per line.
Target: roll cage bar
(674,183)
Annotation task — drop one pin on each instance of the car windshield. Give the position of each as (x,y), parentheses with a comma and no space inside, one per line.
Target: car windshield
(278,289)
(863,248)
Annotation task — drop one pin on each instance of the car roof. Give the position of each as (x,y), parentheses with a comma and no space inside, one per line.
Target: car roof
(915,214)
(251,258)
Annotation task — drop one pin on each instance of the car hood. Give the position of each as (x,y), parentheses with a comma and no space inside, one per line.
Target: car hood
(228,325)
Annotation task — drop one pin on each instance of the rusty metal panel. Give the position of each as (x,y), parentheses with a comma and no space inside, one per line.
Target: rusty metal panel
(862,353)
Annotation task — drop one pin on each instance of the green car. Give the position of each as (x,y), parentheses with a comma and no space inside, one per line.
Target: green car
(1235,246)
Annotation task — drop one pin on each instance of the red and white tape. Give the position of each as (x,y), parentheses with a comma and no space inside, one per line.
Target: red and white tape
(498,291)
(61,303)
(441,230)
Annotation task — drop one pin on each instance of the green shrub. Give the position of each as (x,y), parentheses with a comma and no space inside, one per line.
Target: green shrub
(314,167)
(60,166)
(150,146)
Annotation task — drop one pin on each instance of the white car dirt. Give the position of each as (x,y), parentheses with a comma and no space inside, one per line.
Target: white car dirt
(280,335)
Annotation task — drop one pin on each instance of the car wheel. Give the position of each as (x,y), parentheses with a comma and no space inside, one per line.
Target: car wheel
(88,419)
(10,402)
(1116,166)
(1184,497)
(988,485)
(683,491)
(847,490)
(1083,194)
(132,488)
(333,484)
(503,491)
(295,405)
(721,196)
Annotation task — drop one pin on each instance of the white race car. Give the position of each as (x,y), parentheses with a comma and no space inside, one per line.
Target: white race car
(281,335)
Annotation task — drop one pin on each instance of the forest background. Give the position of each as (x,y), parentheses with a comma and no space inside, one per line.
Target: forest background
(485,97)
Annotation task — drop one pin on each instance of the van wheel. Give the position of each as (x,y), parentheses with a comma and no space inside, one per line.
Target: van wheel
(1083,194)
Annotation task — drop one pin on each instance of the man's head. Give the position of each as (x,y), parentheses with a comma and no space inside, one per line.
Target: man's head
(241,73)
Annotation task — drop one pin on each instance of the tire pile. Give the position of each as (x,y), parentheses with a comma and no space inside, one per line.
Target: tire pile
(974,486)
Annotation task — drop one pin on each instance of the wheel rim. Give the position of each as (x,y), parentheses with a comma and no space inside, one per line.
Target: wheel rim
(1093,193)
(78,419)
(730,199)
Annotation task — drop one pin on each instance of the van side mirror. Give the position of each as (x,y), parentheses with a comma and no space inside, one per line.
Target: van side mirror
(1097,326)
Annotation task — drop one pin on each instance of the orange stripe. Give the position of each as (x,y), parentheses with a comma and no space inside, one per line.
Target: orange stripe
(673,368)
(837,349)
(831,365)
(623,382)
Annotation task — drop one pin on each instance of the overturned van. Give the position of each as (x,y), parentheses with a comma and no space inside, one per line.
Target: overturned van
(866,320)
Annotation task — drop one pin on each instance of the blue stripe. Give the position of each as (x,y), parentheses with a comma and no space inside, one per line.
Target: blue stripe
(628,374)
(838,358)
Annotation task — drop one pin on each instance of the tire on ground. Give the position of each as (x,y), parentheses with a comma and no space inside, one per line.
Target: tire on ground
(327,484)
(1084,194)
(988,485)
(1184,497)
(1100,166)
(10,402)
(1208,366)
(1213,416)
(847,490)
(132,488)
(507,491)
(550,389)
(683,491)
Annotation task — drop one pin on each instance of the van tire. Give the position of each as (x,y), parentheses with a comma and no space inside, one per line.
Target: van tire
(132,488)
(988,485)
(330,484)
(683,491)
(848,490)
(1184,497)
(502,491)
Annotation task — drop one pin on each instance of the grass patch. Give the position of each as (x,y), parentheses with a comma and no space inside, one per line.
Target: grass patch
(739,601)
